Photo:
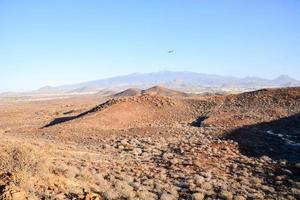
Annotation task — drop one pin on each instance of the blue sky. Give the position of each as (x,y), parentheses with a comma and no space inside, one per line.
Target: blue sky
(55,42)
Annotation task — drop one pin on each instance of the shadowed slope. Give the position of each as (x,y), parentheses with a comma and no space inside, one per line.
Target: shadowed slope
(278,139)
(69,118)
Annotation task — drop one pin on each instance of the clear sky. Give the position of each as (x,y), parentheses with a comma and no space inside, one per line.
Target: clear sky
(53,42)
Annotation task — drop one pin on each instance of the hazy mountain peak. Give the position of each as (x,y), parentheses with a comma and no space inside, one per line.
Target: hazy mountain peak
(184,80)
(285,78)
(46,88)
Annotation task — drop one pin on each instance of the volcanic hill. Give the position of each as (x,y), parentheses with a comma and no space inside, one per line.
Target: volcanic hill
(214,111)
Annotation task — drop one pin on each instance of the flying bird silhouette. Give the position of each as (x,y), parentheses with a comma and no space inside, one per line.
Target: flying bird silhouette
(171,51)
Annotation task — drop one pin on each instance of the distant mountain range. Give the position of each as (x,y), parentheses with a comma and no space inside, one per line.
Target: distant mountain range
(185,81)
(182,80)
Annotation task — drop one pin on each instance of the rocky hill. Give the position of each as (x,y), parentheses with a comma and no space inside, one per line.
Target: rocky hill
(129,92)
(161,91)
(229,111)
(255,107)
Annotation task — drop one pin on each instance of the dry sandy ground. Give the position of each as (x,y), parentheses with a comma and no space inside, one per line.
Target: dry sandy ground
(152,147)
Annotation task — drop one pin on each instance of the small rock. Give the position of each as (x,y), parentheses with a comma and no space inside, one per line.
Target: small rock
(111,194)
(255,195)
(146,195)
(268,188)
(199,179)
(289,172)
(167,196)
(239,197)
(265,158)
(198,196)
(206,186)
(137,151)
(18,195)
(280,178)
(207,175)
(283,163)
(226,195)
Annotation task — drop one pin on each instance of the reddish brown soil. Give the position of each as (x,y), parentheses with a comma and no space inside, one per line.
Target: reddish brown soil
(241,146)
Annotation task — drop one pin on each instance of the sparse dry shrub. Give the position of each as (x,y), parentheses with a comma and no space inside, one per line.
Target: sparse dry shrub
(67,171)
(23,162)
(85,177)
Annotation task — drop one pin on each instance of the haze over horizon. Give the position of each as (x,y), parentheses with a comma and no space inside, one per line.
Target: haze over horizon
(56,43)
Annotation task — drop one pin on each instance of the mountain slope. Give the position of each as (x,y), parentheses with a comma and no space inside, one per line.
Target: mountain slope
(184,80)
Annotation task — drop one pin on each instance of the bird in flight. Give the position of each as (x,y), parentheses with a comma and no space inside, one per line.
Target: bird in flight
(171,51)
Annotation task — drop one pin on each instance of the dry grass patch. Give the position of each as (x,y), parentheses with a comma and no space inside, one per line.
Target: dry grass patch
(23,162)
(38,174)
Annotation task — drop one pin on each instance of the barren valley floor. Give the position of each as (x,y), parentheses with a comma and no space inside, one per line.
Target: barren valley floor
(241,146)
